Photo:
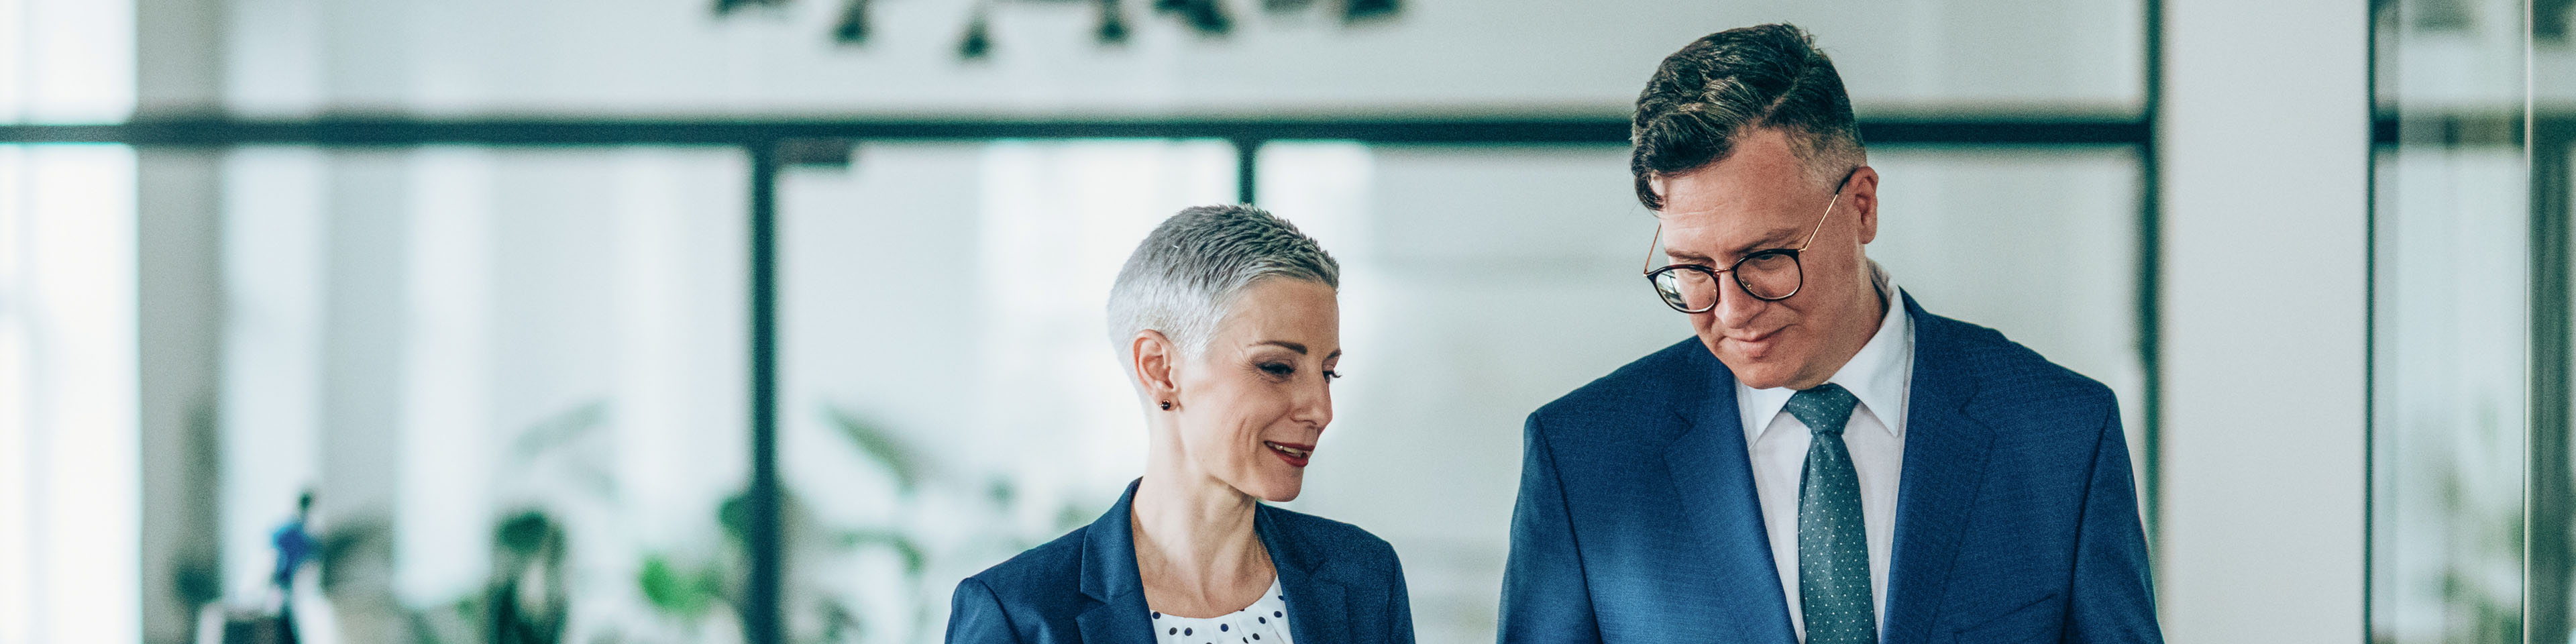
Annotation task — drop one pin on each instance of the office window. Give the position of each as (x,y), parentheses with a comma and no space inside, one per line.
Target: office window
(952,399)
(950,396)
(68,455)
(505,376)
(2470,513)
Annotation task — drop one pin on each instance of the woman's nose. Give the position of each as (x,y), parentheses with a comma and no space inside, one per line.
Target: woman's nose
(1317,406)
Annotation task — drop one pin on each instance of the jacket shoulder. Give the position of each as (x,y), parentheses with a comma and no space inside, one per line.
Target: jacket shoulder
(1632,385)
(2006,372)
(1320,539)
(1045,575)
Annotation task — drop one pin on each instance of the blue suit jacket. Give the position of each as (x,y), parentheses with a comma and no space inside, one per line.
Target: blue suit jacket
(1341,583)
(2015,522)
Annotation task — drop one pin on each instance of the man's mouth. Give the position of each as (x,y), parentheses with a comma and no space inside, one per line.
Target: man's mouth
(1754,347)
(1754,337)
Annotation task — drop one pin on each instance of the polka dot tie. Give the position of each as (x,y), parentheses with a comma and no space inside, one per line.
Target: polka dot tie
(1833,548)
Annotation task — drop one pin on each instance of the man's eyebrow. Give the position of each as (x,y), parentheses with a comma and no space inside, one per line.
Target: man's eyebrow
(1777,239)
(1689,256)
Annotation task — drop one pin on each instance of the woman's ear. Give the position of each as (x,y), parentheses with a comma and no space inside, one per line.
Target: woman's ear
(1155,358)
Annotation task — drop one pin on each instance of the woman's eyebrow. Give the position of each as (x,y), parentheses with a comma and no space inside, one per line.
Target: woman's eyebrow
(1291,346)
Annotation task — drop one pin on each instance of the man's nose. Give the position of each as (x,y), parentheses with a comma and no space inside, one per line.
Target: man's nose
(1735,308)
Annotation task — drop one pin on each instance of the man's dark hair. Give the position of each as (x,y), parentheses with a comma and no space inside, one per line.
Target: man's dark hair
(1720,86)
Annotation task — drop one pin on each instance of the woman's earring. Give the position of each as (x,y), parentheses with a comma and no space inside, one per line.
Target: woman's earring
(1167,405)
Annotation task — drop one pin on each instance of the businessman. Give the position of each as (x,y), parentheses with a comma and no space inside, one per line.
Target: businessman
(1825,462)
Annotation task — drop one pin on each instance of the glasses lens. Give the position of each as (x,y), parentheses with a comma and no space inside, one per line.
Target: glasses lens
(1686,289)
(1770,275)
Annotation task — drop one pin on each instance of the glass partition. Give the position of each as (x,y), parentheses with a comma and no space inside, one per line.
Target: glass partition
(950,396)
(2470,480)
(1483,281)
(514,380)
(510,382)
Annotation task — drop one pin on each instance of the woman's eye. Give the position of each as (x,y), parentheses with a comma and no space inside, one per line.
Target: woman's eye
(1278,369)
(1329,375)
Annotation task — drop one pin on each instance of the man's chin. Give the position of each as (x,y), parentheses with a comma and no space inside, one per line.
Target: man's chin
(1758,374)
(1761,380)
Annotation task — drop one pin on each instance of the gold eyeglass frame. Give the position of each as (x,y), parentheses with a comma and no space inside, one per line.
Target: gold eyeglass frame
(1792,253)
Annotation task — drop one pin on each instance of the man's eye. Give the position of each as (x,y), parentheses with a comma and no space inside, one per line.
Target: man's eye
(1768,258)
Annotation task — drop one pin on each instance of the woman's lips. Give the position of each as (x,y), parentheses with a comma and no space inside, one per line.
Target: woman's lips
(1294,453)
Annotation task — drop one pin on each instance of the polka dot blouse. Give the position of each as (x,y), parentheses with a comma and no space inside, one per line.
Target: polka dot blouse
(1264,622)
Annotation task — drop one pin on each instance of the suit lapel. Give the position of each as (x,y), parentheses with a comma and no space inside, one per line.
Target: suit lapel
(1317,612)
(1314,588)
(1109,576)
(1945,461)
(1117,622)
(1713,472)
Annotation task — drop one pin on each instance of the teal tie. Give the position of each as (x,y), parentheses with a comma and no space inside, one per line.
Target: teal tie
(1833,548)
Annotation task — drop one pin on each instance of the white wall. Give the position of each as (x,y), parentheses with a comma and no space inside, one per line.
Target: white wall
(2265,174)
(69,445)
(69,462)
(290,57)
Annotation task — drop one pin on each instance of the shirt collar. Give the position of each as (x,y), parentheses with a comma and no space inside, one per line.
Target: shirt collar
(1879,375)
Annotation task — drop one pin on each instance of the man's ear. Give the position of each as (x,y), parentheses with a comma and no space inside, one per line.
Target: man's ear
(1155,359)
(1862,193)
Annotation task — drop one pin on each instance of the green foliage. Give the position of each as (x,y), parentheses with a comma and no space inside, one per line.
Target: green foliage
(915,560)
(559,429)
(1071,516)
(877,444)
(734,517)
(560,433)
(678,592)
(1001,491)
(523,533)
(348,539)
(196,577)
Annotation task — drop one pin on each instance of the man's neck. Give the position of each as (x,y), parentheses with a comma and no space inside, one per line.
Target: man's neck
(1848,341)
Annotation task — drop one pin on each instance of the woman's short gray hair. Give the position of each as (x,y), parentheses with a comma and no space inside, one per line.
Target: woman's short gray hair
(1183,275)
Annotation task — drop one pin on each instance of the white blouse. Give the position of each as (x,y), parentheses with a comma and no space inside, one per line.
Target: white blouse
(1264,622)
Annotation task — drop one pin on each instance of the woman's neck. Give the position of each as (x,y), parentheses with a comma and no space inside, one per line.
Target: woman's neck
(1195,545)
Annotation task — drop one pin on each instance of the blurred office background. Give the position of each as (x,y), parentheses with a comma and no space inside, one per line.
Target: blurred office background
(768,320)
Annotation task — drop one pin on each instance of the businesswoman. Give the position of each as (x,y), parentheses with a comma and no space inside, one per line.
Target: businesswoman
(1225,319)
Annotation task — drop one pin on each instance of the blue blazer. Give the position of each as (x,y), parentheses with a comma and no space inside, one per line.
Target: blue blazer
(1341,583)
(2015,517)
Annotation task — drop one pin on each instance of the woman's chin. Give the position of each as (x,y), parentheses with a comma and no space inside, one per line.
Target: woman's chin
(1278,490)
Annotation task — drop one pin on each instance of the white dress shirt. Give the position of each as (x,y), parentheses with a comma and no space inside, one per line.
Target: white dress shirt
(1880,376)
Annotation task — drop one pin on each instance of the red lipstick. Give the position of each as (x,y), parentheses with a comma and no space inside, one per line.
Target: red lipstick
(1294,453)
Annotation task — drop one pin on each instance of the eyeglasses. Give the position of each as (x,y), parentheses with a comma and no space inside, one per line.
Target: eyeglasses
(1768,275)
